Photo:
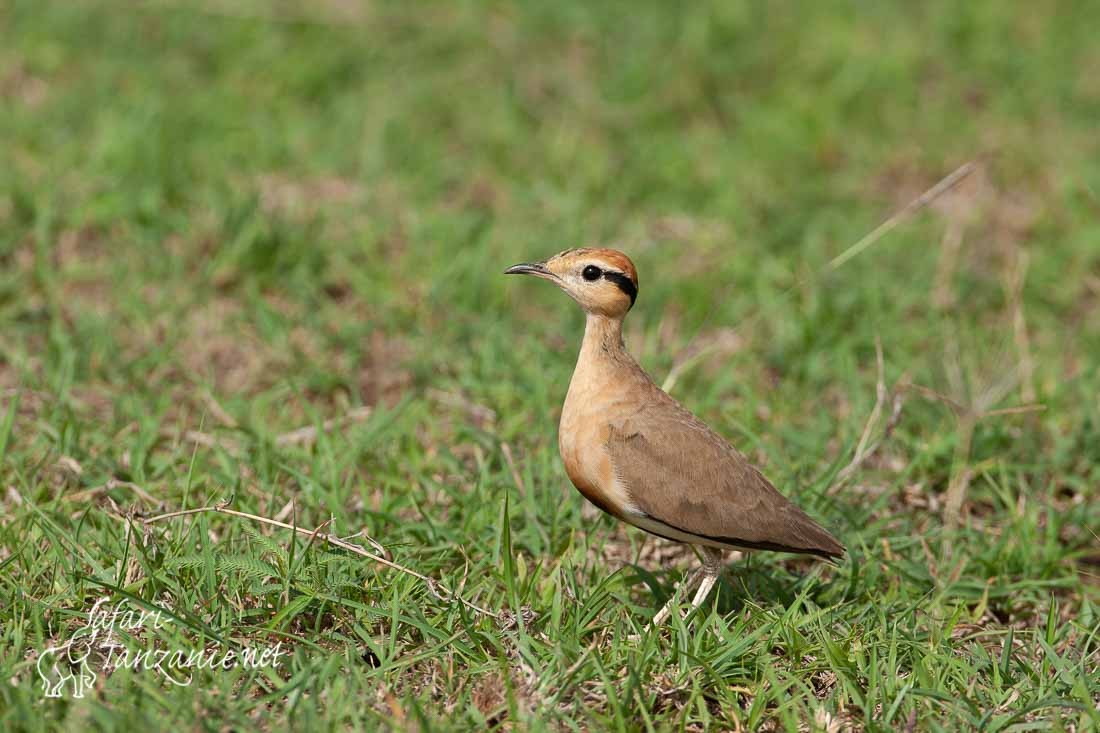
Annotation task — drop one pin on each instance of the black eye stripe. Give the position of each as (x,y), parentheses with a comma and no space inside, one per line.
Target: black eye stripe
(623,282)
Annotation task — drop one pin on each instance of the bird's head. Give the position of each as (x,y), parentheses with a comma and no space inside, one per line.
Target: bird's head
(602,281)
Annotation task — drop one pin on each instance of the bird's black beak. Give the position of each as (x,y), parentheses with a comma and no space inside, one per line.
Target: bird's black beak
(538,269)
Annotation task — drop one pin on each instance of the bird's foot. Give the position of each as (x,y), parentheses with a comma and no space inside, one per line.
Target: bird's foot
(705,576)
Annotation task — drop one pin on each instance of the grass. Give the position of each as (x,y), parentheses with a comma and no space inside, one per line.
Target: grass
(225,223)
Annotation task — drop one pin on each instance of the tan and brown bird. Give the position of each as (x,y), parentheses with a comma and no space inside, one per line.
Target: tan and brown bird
(641,456)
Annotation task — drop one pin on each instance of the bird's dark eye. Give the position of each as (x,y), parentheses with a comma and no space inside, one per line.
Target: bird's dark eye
(591,273)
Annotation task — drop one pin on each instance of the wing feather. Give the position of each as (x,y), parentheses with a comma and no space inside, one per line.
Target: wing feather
(682,474)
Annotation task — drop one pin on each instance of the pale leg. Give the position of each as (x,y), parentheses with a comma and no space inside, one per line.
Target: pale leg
(706,576)
(685,587)
(712,568)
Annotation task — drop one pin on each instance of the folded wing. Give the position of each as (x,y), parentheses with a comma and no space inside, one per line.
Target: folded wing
(684,476)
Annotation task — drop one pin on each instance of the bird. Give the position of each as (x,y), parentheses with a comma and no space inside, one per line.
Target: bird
(639,455)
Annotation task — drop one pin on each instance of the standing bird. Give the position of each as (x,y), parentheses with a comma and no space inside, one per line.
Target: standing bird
(641,456)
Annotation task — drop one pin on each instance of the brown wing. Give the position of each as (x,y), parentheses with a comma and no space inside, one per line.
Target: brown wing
(684,475)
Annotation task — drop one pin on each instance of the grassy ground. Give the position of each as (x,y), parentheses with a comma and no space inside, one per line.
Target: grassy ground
(225,223)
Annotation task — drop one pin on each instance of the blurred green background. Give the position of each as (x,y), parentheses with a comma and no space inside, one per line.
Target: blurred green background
(221,222)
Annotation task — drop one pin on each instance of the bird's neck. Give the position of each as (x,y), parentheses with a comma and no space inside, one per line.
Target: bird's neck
(600,366)
(605,374)
(603,339)
(603,361)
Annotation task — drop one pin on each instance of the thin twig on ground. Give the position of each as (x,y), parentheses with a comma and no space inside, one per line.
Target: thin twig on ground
(217,410)
(725,341)
(864,449)
(308,434)
(961,472)
(115,484)
(299,436)
(229,445)
(943,293)
(457,400)
(1015,288)
(433,585)
(943,186)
